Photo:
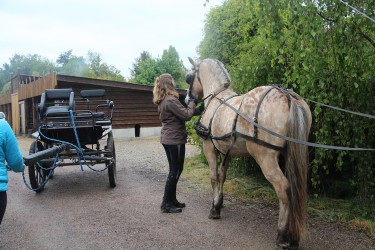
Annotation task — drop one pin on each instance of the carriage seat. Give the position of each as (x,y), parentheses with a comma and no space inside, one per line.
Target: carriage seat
(56,103)
(91,115)
(99,117)
(87,93)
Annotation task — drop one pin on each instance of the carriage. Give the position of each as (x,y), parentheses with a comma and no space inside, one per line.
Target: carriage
(73,130)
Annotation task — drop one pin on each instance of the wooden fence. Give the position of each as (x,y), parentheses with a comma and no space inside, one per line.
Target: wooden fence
(5,99)
(37,87)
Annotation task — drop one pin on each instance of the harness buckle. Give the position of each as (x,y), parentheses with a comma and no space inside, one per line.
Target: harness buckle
(202,130)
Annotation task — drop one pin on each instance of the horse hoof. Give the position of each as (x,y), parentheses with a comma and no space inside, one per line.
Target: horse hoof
(282,246)
(214,216)
(214,213)
(293,244)
(285,247)
(282,240)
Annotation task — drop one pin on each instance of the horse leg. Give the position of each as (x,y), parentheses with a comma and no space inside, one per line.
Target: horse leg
(211,156)
(275,176)
(222,175)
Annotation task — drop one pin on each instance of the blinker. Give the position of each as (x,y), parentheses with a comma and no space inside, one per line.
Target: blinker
(189,79)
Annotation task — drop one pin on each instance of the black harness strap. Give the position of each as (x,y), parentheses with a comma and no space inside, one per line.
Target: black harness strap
(221,103)
(257,111)
(206,132)
(306,143)
(236,134)
(261,142)
(288,95)
(212,117)
(233,132)
(209,101)
(249,138)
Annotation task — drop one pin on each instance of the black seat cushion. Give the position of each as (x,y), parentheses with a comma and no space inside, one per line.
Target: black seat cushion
(57,111)
(94,115)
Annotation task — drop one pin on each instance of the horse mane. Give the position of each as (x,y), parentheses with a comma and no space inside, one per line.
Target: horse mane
(218,70)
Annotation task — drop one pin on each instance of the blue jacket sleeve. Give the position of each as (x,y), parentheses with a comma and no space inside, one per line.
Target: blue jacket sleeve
(12,152)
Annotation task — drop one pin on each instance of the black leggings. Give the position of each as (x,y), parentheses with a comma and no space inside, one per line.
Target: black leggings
(3,204)
(176,158)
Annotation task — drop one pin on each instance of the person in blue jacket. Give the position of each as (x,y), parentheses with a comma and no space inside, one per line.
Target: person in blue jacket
(9,152)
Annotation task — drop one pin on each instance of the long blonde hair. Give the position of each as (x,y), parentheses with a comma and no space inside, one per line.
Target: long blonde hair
(164,85)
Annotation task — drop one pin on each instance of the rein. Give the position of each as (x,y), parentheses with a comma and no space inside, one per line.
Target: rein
(258,126)
(206,132)
(311,144)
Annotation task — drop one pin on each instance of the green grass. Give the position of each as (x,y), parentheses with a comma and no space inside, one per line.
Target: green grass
(352,213)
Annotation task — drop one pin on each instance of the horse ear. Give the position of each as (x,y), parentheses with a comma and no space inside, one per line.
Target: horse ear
(192,62)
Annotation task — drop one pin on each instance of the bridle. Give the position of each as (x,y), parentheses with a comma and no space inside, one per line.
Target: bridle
(190,80)
(191,77)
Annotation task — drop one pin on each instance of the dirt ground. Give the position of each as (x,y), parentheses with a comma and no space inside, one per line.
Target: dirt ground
(80,211)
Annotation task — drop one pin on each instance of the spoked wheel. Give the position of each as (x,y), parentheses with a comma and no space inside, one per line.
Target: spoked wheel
(37,175)
(112,164)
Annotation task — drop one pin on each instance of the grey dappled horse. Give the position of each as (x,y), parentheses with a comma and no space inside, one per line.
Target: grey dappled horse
(225,128)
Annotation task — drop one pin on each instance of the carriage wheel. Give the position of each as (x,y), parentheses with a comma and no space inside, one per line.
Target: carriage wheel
(111,165)
(37,175)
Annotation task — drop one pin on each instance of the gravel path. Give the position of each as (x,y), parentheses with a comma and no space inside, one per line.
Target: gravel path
(81,211)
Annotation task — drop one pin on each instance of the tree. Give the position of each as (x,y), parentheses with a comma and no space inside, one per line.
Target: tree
(170,63)
(226,33)
(92,66)
(145,55)
(146,69)
(75,66)
(100,69)
(31,64)
(64,57)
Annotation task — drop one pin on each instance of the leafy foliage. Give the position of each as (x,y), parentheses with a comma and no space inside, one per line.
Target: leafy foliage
(325,52)
(145,55)
(171,63)
(31,64)
(64,57)
(146,69)
(101,70)
(66,63)
(75,66)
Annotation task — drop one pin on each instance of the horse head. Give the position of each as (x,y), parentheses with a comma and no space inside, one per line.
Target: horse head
(195,90)
(205,77)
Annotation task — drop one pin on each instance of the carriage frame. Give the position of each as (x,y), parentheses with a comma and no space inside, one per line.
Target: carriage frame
(72,131)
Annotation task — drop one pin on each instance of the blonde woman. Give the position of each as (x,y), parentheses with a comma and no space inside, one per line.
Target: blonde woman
(173,116)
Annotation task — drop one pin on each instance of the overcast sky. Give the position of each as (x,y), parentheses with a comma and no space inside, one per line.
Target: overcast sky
(119,30)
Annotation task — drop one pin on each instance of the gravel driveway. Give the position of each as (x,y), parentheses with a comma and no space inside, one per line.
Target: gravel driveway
(81,211)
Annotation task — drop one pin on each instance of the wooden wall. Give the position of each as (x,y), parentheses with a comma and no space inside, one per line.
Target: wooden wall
(132,107)
(5,99)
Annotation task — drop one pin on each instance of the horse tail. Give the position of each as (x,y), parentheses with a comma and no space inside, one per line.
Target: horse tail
(298,127)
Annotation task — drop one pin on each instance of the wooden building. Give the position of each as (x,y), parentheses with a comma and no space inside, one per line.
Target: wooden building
(135,115)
